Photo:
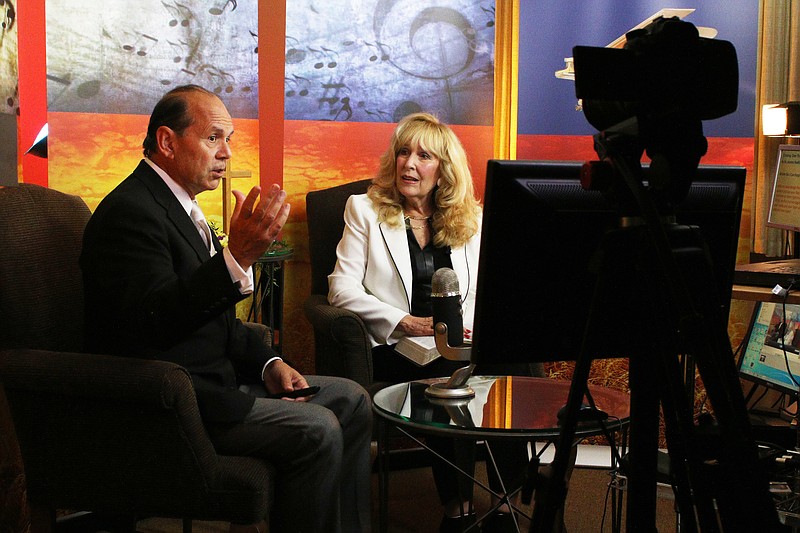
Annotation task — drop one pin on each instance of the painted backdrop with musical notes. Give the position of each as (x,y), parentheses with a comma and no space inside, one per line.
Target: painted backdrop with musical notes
(120,57)
(379,60)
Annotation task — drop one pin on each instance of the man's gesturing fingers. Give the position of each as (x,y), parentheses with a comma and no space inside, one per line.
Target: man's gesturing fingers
(244,204)
(255,225)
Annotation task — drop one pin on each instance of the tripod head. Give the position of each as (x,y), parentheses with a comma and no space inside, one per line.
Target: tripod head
(651,97)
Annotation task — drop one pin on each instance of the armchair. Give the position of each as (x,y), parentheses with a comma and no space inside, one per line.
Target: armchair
(341,344)
(113,435)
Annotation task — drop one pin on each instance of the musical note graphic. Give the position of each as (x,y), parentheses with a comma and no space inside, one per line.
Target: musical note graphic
(332,63)
(490,14)
(345,108)
(186,72)
(62,85)
(325,52)
(297,82)
(294,54)
(176,47)
(89,89)
(218,11)
(224,81)
(13,98)
(61,81)
(255,38)
(381,49)
(337,105)
(180,14)
(142,51)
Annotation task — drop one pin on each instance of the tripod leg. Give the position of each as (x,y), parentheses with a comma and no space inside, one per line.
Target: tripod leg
(740,488)
(743,497)
(641,471)
(743,500)
(552,491)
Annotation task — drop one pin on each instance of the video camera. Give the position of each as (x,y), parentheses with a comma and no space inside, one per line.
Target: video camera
(656,91)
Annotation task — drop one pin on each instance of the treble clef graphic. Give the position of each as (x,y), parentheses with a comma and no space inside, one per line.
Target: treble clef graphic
(435,43)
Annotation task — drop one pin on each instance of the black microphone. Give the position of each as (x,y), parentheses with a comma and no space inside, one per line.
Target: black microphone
(446,303)
(448,332)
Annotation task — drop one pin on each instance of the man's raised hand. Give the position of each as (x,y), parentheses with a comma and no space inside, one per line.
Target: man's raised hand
(256,223)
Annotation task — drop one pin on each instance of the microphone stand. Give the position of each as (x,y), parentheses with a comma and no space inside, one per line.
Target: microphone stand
(456,387)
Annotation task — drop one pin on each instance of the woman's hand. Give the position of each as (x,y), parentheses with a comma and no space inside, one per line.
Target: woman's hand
(416,326)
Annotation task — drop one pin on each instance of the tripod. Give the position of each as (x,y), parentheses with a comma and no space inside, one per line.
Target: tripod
(655,286)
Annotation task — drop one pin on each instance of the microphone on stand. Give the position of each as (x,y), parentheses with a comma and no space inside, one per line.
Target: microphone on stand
(446,303)
(448,331)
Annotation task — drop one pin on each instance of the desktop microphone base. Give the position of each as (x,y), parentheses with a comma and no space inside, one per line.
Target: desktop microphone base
(443,392)
(454,388)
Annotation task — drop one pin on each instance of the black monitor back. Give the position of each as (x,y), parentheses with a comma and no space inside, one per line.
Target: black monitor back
(540,235)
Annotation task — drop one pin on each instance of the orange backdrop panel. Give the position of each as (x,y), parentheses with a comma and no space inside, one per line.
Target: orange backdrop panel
(90,154)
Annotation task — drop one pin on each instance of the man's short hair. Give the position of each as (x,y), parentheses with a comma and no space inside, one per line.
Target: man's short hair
(171,111)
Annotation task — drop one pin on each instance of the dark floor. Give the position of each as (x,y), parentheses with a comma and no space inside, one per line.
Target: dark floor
(414,506)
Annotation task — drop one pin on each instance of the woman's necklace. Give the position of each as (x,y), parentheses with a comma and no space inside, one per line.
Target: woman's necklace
(412,226)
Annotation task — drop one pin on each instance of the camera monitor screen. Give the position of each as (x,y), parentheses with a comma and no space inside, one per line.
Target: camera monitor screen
(771,345)
(540,234)
(784,207)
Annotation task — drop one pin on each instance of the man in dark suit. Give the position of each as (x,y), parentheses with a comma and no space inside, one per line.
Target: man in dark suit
(155,288)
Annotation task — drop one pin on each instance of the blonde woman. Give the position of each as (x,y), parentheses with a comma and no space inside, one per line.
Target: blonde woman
(420,214)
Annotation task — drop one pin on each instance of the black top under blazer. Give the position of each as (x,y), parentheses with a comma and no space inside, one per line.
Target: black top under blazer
(152,291)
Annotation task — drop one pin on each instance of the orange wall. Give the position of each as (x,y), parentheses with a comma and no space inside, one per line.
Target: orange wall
(32,86)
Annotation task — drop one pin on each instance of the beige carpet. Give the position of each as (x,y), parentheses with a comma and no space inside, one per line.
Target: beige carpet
(414,507)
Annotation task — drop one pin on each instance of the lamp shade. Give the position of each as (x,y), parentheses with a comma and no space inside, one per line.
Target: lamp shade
(781,120)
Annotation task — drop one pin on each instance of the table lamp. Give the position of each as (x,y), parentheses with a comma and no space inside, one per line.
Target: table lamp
(781,120)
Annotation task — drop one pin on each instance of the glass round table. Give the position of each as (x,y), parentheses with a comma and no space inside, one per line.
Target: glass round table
(503,407)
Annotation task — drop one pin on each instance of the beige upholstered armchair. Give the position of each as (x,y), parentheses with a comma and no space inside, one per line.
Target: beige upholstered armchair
(112,435)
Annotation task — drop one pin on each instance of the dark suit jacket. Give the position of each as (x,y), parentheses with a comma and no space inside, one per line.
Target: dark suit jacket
(152,291)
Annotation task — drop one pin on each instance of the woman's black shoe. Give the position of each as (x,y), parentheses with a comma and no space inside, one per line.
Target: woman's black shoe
(499,523)
(457,524)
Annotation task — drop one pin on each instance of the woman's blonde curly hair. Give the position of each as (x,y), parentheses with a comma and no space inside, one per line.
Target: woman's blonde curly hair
(456,216)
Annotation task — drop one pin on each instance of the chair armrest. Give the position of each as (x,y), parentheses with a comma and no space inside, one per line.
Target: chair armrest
(120,434)
(263,331)
(341,341)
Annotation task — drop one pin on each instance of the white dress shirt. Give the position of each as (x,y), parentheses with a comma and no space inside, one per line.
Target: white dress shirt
(237,273)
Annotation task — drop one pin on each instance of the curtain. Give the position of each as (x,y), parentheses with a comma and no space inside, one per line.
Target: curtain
(505,78)
(777,81)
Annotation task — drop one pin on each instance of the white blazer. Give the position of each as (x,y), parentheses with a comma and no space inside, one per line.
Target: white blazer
(373,275)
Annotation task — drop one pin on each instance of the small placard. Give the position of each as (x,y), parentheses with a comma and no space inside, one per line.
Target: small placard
(784,211)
